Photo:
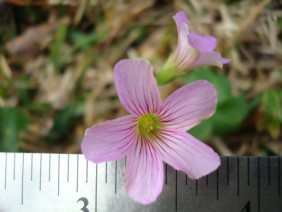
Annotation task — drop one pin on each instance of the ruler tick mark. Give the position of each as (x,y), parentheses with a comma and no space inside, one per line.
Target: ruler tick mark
(31,167)
(248,170)
(258,184)
(217,195)
(86,171)
(77,171)
(196,181)
(106,173)
(14,174)
(68,169)
(166,174)
(279,175)
(49,167)
(96,189)
(186,180)
(207,180)
(268,170)
(59,174)
(227,170)
(238,176)
(175,190)
(22,179)
(5,183)
(40,172)
(116,177)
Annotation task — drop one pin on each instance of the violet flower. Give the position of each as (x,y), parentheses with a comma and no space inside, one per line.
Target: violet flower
(153,132)
(193,50)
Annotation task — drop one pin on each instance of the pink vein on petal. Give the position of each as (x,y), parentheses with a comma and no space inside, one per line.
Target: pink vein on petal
(136,86)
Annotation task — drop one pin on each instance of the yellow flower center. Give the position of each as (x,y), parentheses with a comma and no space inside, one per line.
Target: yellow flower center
(148,124)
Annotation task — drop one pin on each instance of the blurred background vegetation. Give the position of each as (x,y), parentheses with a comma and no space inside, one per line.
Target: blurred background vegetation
(57,58)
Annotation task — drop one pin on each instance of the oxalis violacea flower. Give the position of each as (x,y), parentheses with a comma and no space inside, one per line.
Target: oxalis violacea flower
(193,50)
(154,132)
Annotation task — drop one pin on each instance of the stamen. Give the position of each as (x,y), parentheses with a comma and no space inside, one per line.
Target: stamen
(148,125)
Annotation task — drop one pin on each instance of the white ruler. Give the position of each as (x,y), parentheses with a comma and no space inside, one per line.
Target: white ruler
(61,182)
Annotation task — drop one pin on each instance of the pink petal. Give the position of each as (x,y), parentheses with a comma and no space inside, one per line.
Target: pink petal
(185,55)
(210,58)
(180,18)
(185,153)
(204,43)
(136,86)
(189,105)
(109,141)
(144,173)
(225,60)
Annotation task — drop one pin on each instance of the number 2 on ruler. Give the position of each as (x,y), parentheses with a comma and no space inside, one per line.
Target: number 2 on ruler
(85,202)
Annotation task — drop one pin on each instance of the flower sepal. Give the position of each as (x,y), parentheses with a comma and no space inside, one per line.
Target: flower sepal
(168,73)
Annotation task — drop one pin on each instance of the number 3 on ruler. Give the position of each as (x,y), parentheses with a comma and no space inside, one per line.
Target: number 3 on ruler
(247,207)
(85,202)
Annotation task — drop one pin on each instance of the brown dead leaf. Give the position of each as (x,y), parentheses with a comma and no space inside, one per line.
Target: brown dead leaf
(43,2)
(56,88)
(29,44)
(120,15)
(27,2)
(64,2)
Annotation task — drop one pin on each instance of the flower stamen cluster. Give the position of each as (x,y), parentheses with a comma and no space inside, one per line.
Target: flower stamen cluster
(148,125)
